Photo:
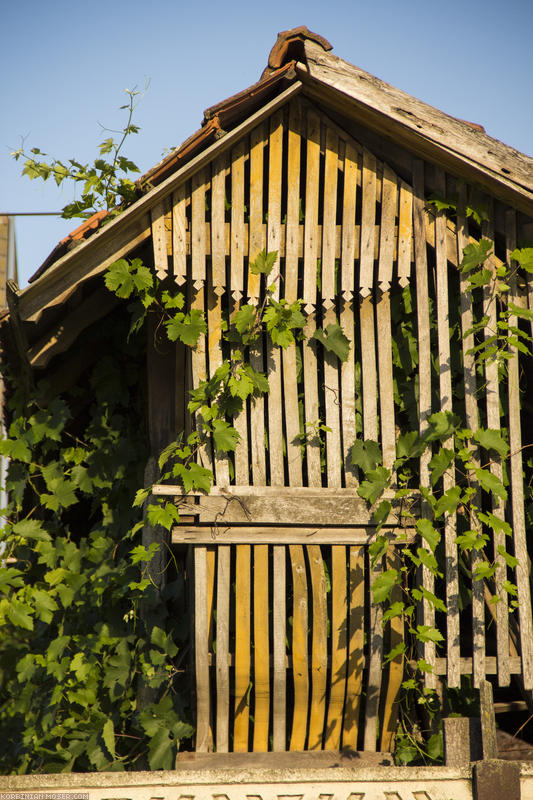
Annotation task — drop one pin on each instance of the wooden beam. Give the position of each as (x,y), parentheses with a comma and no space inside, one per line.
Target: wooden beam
(232,534)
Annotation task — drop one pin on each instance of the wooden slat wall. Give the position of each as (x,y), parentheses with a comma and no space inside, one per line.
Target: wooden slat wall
(348,230)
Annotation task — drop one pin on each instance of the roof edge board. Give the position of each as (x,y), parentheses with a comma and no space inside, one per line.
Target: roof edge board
(81,263)
(360,86)
(502,188)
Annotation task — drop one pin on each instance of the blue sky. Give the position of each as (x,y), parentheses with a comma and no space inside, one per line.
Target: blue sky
(65,66)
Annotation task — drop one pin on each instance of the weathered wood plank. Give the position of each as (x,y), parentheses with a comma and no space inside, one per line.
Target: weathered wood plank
(218,225)
(215,356)
(199,371)
(472,421)
(222,628)
(300,662)
(311,209)
(391,700)
(159,240)
(448,479)
(198,232)
(368,369)
(256,241)
(384,340)
(315,510)
(179,234)
(356,640)
(261,649)
(243,534)
(351,175)
(329,228)
(279,633)
(311,410)
(319,651)
(517,483)
(405,233)
(347,381)
(242,657)
(237,219)
(273,354)
(333,409)
(427,611)
(201,633)
(492,395)
(375,668)
(369,179)
(293,203)
(339,650)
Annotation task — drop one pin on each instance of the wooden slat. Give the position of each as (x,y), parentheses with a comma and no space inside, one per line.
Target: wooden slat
(448,479)
(218,225)
(237,219)
(214,347)
(319,651)
(356,640)
(492,394)
(256,239)
(351,174)
(300,661)
(368,369)
(293,203)
(279,684)
(261,650)
(242,647)
(517,482)
(339,650)
(201,650)
(347,378)
(222,670)
(427,611)
(159,240)
(292,417)
(273,354)
(332,401)
(472,422)
(211,553)
(369,179)
(311,411)
(405,233)
(389,204)
(243,534)
(179,234)
(311,209)
(198,232)
(391,699)
(329,229)
(375,667)
(199,372)
(275,161)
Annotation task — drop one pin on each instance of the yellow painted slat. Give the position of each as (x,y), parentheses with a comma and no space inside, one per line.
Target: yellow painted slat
(179,234)
(261,650)
(222,634)
(218,224)
(311,208)
(279,617)
(356,640)
(339,650)
(198,231)
(242,658)
(293,226)
(300,660)
(256,238)
(201,650)
(391,699)
(329,228)
(319,648)
(159,240)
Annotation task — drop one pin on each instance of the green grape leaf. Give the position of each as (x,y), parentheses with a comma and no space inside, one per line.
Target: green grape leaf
(225,436)
(475,254)
(490,483)
(365,454)
(491,439)
(264,262)
(428,532)
(383,585)
(333,340)
(440,463)
(377,480)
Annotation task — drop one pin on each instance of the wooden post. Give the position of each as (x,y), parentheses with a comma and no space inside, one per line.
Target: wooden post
(462,741)
(488,722)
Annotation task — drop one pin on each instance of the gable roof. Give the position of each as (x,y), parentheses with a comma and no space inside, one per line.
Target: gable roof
(300,61)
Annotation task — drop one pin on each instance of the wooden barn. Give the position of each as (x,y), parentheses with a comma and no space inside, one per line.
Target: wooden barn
(345,177)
